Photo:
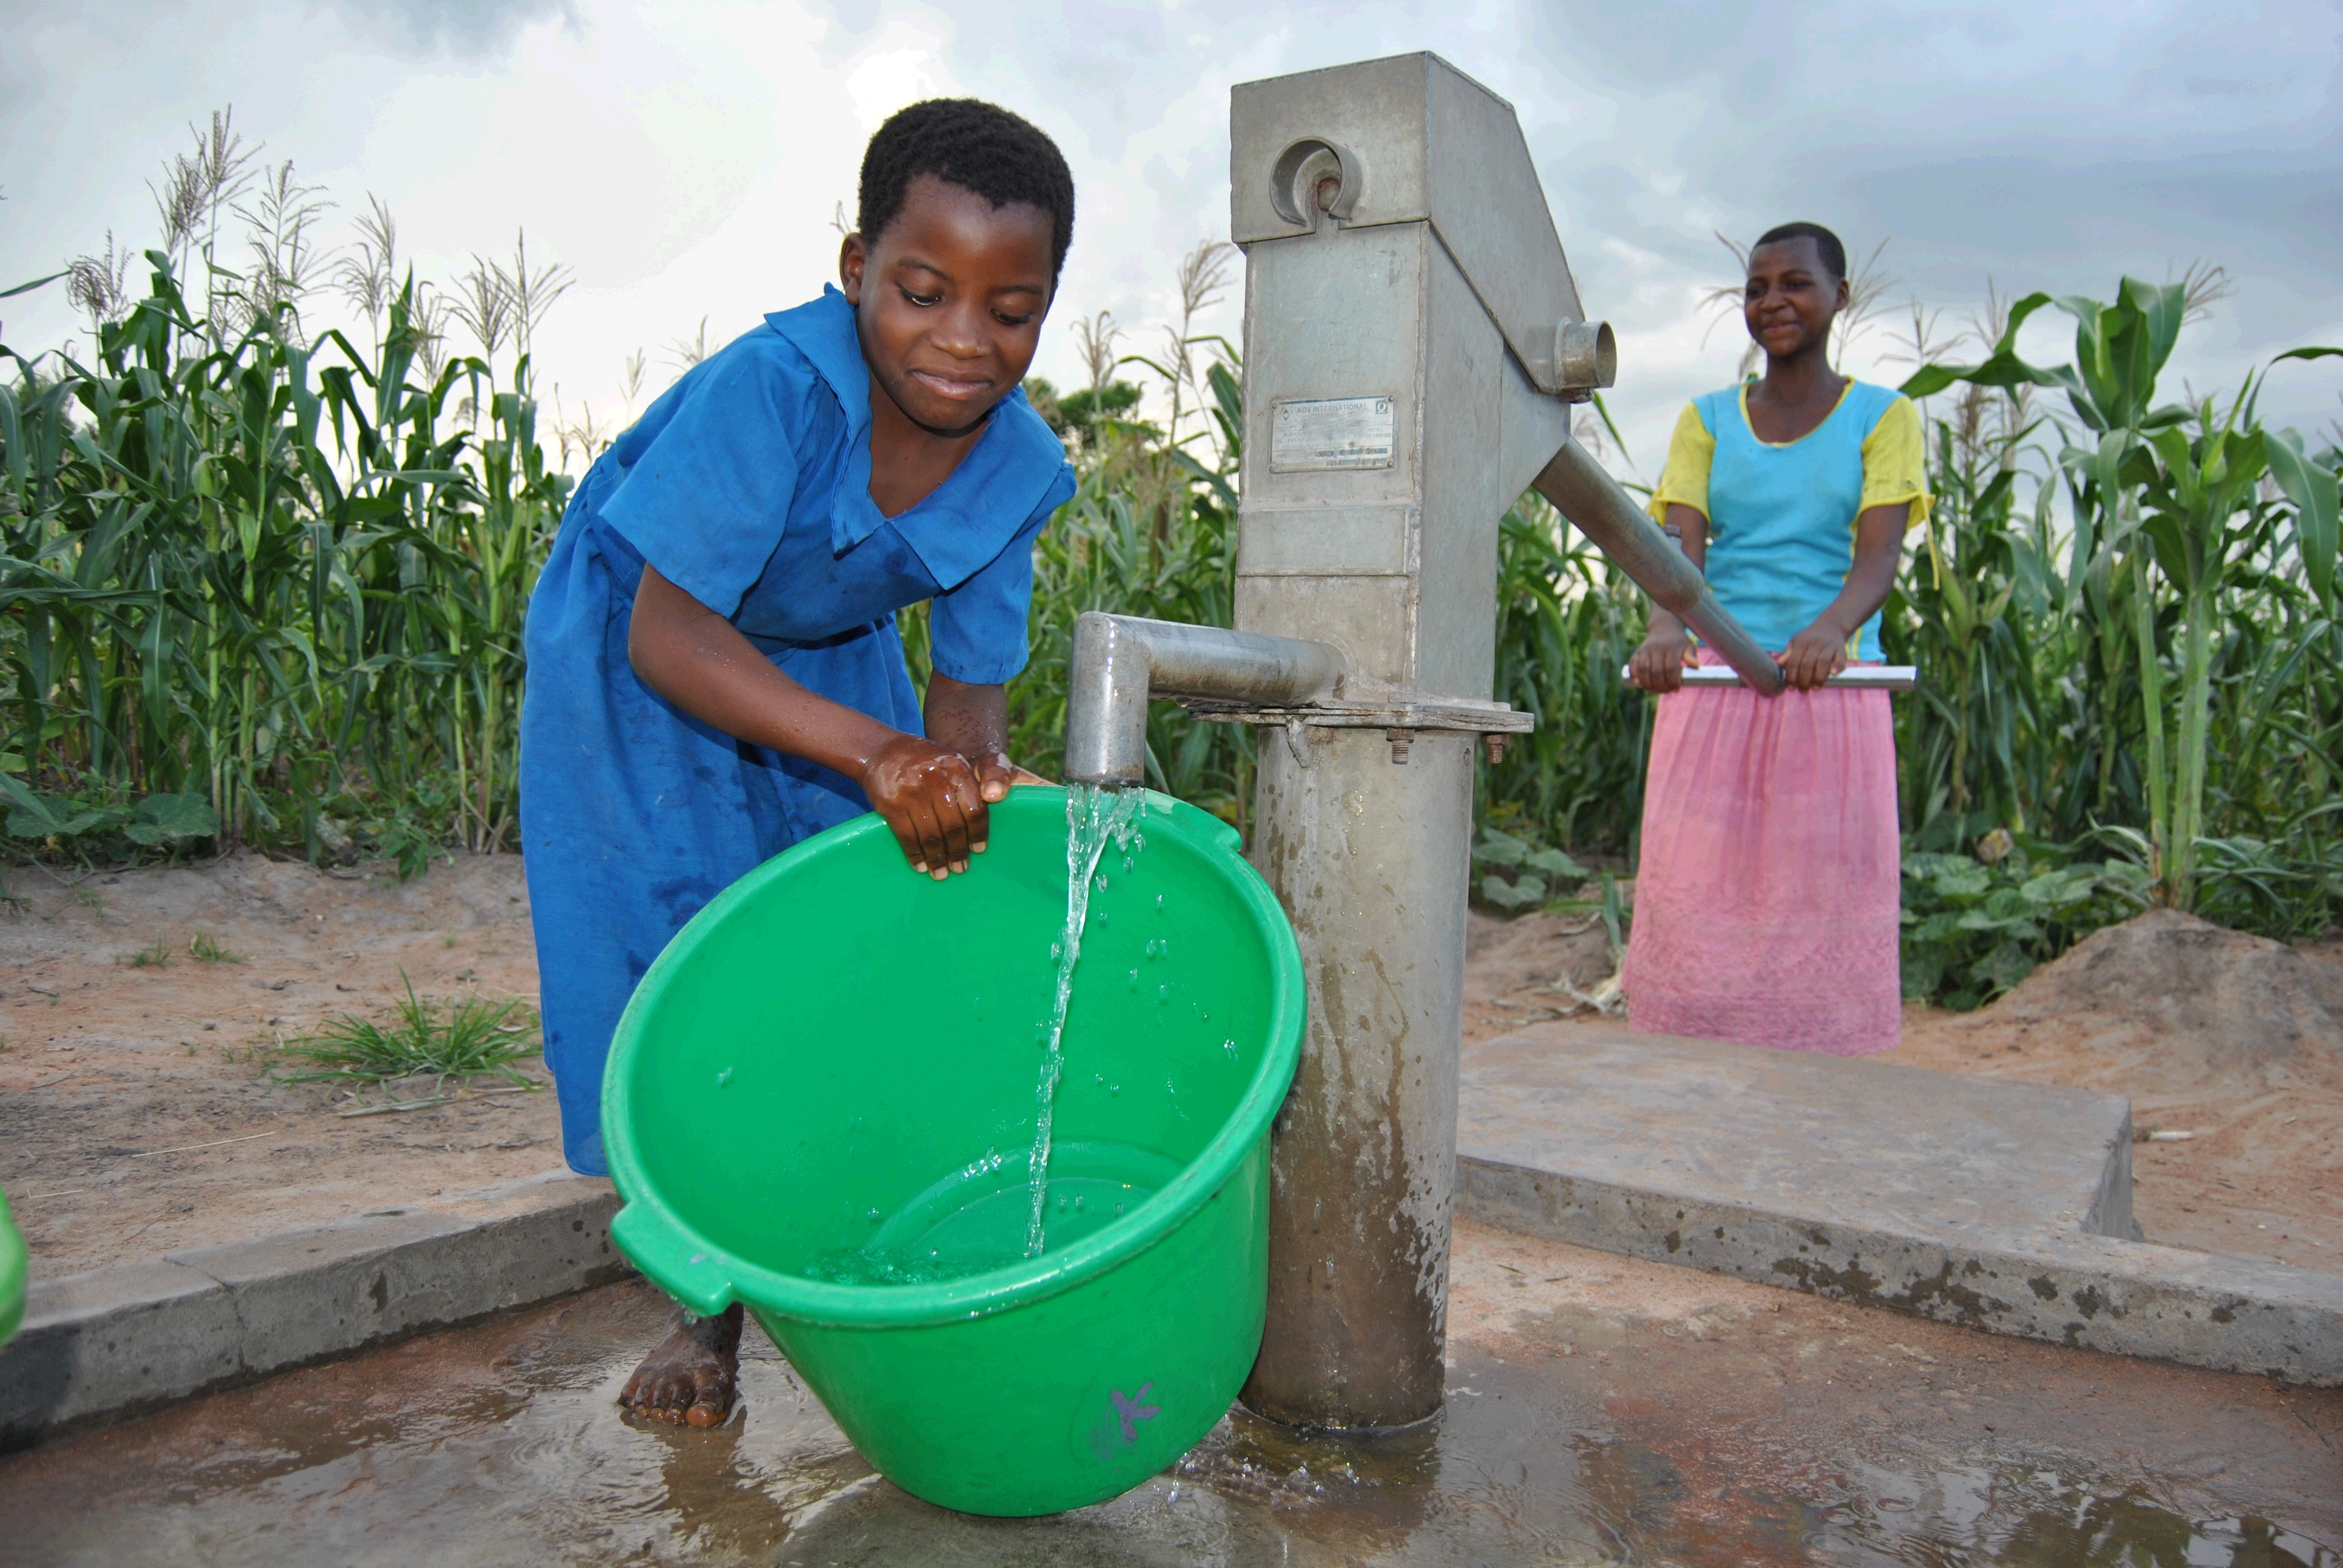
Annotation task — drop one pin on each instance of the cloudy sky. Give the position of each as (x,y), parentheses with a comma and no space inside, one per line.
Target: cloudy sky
(686,159)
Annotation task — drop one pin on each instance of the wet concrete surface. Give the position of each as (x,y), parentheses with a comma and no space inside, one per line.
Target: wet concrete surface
(1601,1410)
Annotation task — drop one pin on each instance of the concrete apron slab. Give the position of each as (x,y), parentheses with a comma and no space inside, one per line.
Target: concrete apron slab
(1995,1205)
(135,1335)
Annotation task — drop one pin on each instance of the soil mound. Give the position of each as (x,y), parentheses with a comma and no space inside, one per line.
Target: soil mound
(2187,1003)
(2230,1048)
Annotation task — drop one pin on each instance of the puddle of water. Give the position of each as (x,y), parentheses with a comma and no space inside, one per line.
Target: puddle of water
(501,1444)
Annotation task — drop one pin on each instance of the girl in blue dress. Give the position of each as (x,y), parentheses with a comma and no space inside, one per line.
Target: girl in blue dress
(714,672)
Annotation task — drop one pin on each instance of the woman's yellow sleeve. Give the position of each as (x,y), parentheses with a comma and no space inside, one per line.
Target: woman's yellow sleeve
(1896,462)
(1684,481)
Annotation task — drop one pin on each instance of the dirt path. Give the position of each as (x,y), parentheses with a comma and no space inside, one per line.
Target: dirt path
(135,1115)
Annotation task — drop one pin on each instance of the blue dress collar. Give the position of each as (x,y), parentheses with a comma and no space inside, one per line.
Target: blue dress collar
(969,520)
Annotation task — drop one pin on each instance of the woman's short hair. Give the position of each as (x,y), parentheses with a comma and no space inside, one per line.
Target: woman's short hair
(1833,254)
(976,145)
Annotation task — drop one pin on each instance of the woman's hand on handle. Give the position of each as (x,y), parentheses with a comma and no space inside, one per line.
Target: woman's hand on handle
(1819,652)
(1814,655)
(1659,664)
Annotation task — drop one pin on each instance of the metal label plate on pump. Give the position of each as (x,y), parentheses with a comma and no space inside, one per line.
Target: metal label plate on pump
(1323,434)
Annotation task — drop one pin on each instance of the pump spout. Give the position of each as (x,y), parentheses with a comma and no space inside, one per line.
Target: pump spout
(1596,506)
(1121,660)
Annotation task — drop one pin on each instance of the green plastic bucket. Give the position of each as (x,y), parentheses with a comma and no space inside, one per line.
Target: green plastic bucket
(13,1265)
(833,1070)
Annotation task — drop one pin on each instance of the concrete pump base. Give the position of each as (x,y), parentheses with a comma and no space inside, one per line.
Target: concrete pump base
(1994,1205)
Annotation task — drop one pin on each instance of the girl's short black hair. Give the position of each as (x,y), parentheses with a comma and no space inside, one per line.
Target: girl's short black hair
(1833,253)
(976,145)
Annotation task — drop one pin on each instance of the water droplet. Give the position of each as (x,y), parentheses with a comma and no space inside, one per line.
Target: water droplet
(1230,1047)
(1138,840)
(1159,902)
(1164,993)
(724,1077)
(1114,1089)
(1134,980)
(1099,882)
(1078,1203)
(1061,1200)
(1127,863)
(1163,948)
(1098,1077)
(1118,1210)
(874,1216)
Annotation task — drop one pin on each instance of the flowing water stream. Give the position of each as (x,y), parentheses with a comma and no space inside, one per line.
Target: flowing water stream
(1096,815)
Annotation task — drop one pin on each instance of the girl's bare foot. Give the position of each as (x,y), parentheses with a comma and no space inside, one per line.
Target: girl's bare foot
(688,1376)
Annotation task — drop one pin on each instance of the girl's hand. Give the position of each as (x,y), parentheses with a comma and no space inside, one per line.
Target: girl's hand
(1659,664)
(933,799)
(998,775)
(1814,655)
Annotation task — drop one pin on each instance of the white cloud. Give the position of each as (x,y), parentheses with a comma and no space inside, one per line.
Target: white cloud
(686,159)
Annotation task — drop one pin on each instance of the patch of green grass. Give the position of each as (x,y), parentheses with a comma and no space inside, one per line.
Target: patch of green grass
(88,900)
(155,955)
(210,951)
(448,1040)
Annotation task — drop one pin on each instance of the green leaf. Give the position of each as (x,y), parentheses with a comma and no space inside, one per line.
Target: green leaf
(22,799)
(159,818)
(2005,966)
(1937,927)
(29,288)
(1499,849)
(1923,972)
(1961,878)
(1554,863)
(2003,367)
(2057,889)
(1512,895)
(2005,903)
(2312,490)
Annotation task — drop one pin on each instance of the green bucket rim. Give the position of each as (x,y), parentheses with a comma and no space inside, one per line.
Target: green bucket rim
(705,1278)
(15,1263)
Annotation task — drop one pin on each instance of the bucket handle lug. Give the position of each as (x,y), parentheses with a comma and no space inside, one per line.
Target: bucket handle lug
(676,1260)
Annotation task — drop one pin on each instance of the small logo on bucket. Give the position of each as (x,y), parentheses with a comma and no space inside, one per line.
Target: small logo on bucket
(1120,1422)
(1130,1413)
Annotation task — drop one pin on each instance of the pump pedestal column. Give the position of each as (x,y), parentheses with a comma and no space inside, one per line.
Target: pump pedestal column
(1370,858)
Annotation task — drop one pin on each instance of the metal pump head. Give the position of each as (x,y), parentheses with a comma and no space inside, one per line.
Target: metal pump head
(1121,660)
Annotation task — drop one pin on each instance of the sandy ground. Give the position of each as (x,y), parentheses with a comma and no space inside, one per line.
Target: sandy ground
(136,1115)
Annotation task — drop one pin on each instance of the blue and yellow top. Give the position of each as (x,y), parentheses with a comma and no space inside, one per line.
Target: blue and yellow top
(1781,516)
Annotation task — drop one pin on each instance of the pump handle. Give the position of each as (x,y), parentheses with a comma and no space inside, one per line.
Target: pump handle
(1596,506)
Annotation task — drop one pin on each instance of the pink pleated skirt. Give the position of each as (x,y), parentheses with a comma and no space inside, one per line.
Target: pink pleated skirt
(1766,898)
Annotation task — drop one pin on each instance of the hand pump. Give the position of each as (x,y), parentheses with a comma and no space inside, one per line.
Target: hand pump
(1414,345)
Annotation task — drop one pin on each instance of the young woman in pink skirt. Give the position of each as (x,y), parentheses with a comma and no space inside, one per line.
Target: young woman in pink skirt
(1766,900)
